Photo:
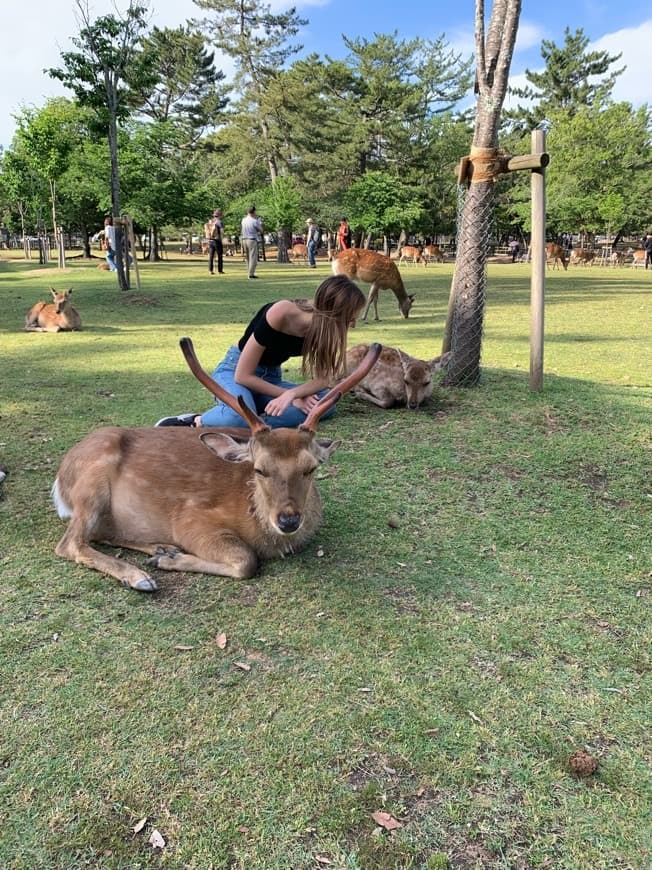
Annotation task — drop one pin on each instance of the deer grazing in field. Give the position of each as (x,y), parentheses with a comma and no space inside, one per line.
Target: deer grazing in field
(555,254)
(60,315)
(299,252)
(432,254)
(378,270)
(409,253)
(397,378)
(207,500)
(582,256)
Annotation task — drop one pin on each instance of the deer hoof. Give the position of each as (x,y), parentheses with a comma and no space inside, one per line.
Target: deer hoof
(145,584)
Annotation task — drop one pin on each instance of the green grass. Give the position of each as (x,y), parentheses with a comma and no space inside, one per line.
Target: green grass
(441,667)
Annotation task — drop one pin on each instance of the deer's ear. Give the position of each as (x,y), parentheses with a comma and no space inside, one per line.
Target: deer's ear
(323,448)
(441,362)
(53,292)
(226,447)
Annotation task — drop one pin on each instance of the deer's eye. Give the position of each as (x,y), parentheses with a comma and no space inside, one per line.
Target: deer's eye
(260,472)
(309,471)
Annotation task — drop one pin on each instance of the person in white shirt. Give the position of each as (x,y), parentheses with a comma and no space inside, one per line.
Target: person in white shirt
(252,228)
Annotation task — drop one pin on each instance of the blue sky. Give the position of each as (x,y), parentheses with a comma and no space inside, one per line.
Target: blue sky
(33,36)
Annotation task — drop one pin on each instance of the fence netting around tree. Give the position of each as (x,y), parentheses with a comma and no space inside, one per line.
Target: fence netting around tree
(475,221)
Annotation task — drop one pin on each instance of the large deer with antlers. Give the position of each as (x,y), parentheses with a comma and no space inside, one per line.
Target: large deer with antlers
(377,269)
(208,500)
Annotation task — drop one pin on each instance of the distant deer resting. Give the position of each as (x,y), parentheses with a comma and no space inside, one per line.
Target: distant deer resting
(397,378)
(378,270)
(57,316)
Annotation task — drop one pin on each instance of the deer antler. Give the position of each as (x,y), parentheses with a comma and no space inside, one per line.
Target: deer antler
(238,405)
(346,384)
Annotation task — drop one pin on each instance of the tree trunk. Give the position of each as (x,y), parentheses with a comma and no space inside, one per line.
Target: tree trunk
(466,308)
(115,196)
(284,243)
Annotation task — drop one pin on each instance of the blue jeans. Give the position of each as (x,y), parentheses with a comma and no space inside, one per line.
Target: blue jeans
(222,415)
(312,247)
(110,259)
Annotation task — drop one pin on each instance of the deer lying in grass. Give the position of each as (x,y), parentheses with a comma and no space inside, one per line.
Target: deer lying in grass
(377,269)
(60,315)
(397,378)
(201,500)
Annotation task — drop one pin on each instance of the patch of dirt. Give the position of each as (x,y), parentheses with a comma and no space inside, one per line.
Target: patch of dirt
(404,599)
(138,299)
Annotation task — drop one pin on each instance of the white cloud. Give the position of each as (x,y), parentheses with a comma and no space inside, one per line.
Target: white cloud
(529,35)
(635,84)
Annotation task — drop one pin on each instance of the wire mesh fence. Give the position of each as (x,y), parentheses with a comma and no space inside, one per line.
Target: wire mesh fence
(475,219)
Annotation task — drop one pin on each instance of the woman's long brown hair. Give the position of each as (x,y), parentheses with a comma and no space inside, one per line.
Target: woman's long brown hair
(337,302)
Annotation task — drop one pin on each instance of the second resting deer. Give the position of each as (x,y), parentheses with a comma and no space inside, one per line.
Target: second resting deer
(397,378)
(60,315)
(378,270)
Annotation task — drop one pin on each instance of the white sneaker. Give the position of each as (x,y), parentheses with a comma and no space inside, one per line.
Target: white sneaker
(180,420)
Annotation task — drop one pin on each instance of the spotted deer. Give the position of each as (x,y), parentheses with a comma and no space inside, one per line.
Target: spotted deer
(397,378)
(378,270)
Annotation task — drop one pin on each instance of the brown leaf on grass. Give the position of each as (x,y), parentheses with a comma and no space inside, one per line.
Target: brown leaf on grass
(182,647)
(138,827)
(220,640)
(242,665)
(386,820)
(156,841)
(322,859)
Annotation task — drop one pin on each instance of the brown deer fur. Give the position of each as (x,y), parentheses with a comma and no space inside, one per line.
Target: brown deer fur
(194,499)
(432,254)
(555,254)
(299,252)
(409,253)
(60,315)
(397,378)
(378,270)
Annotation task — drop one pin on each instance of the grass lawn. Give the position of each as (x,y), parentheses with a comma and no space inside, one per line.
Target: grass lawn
(473,610)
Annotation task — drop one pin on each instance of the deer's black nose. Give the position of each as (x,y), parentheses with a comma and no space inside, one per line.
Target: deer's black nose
(289,523)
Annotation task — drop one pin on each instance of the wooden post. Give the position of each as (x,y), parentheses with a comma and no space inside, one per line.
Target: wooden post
(129,227)
(61,248)
(538,265)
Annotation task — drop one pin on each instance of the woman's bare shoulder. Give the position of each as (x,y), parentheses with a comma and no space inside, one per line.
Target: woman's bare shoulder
(283,314)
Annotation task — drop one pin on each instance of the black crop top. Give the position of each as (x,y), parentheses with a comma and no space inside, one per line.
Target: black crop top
(279,346)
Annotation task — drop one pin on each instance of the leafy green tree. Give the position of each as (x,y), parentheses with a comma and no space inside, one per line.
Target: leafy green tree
(573,77)
(108,53)
(47,137)
(381,204)
(258,41)
(189,90)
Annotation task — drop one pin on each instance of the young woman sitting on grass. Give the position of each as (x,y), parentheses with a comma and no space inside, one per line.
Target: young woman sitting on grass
(316,331)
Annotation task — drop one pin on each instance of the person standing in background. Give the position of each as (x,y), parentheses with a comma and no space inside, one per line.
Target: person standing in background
(252,227)
(344,235)
(213,230)
(109,243)
(312,243)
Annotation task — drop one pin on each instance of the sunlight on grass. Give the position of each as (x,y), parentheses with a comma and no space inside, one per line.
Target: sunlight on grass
(474,609)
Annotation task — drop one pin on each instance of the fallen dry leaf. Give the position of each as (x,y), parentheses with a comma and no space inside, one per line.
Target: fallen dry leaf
(322,859)
(138,827)
(220,640)
(156,841)
(386,820)
(242,665)
(182,647)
